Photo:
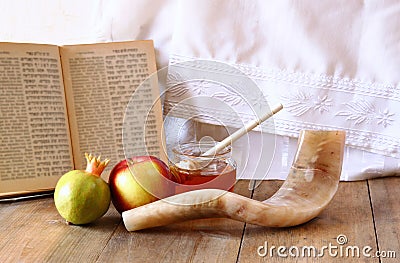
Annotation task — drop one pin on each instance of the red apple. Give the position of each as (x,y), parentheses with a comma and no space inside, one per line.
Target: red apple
(139,181)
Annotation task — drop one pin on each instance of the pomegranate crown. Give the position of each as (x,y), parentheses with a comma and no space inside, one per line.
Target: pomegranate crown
(94,165)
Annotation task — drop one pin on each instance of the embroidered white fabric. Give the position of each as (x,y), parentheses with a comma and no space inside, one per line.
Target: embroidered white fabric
(333,65)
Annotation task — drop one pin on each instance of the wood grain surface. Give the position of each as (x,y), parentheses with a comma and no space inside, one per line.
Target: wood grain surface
(385,194)
(367,213)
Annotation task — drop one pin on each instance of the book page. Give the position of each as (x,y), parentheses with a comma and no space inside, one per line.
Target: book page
(100,80)
(35,147)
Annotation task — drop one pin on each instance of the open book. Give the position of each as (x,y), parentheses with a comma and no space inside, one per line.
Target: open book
(58,102)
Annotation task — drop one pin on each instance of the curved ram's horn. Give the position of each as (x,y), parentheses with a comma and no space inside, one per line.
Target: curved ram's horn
(311,184)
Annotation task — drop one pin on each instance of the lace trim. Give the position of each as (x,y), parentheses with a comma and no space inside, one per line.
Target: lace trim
(369,115)
(309,80)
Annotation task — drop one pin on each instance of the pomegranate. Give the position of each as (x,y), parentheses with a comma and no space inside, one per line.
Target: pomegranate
(80,196)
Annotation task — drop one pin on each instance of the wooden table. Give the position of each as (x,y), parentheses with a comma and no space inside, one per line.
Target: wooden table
(367,213)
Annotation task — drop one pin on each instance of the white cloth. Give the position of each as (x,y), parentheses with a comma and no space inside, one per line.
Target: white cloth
(333,64)
(51,22)
(141,19)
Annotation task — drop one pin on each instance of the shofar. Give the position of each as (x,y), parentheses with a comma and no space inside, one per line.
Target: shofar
(310,186)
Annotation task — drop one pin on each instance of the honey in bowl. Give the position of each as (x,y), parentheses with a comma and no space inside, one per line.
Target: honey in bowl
(203,172)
